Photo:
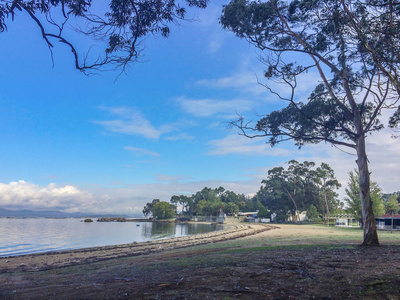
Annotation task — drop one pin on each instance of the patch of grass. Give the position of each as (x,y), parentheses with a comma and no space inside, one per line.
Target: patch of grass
(215,260)
(287,247)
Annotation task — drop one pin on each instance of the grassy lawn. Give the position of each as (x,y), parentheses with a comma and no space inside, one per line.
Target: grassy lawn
(295,235)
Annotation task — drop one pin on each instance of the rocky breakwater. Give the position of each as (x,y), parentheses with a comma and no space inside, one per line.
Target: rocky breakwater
(118,219)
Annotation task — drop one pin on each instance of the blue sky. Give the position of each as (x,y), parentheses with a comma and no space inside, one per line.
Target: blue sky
(89,143)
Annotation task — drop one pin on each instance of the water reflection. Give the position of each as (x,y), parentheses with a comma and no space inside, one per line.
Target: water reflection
(24,236)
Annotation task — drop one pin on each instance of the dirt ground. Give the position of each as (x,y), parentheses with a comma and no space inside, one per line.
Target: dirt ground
(265,263)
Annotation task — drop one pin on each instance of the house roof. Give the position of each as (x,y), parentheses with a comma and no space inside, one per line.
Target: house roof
(247,213)
(341,216)
(388,217)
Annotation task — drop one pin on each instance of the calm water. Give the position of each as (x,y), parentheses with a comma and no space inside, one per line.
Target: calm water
(26,236)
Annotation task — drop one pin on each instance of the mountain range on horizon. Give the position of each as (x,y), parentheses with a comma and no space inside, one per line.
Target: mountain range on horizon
(24,213)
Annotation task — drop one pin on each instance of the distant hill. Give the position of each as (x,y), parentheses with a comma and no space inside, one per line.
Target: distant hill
(24,213)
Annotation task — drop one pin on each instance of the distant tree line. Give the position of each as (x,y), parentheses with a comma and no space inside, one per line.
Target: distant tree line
(207,202)
(286,192)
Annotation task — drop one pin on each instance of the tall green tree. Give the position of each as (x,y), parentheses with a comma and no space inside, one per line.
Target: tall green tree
(328,183)
(353,46)
(230,208)
(313,214)
(148,209)
(264,213)
(291,191)
(185,202)
(273,194)
(392,205)
(163,210)
(353,198)
(118,31)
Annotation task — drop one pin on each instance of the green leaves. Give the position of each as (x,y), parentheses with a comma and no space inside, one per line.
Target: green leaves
(117,31)
(297,188)
(210,201)
(163,210)
(148,209)
(353,199)
(392,205)
(313,122)
(354,46)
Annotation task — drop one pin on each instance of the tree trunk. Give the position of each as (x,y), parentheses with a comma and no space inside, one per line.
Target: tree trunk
(370,233)
(391,228)
(326,203)
(295,207)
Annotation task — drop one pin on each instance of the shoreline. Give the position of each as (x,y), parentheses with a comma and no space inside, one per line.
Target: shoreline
(49,260)
(292,261)
(31,245)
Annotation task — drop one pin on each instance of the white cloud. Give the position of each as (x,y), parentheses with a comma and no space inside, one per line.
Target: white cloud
(237,144)
(67,198)
(180,137)
(131,121)
(252,83)
(210,107)
(384,156)
(168,178)
(167,186)
(141,151)
(243,81)
(207,22)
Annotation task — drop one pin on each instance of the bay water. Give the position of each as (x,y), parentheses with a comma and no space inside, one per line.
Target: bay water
(36,235)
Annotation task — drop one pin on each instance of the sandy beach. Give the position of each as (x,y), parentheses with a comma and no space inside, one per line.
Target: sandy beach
(36,262)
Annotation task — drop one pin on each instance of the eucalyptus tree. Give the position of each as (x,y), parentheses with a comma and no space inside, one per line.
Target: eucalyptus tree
(117,27)
(300,184)
(148,209)
(272,194)
(186,203)
(353,46)
(291,191)
(328,183)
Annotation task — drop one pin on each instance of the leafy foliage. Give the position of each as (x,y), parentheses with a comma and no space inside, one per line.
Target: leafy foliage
(210,202)
(148,209)
(264,213)
(286,192)
(353,199)
(313,214)
(163,210)
(119,31)
(392,205)
(328,183)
